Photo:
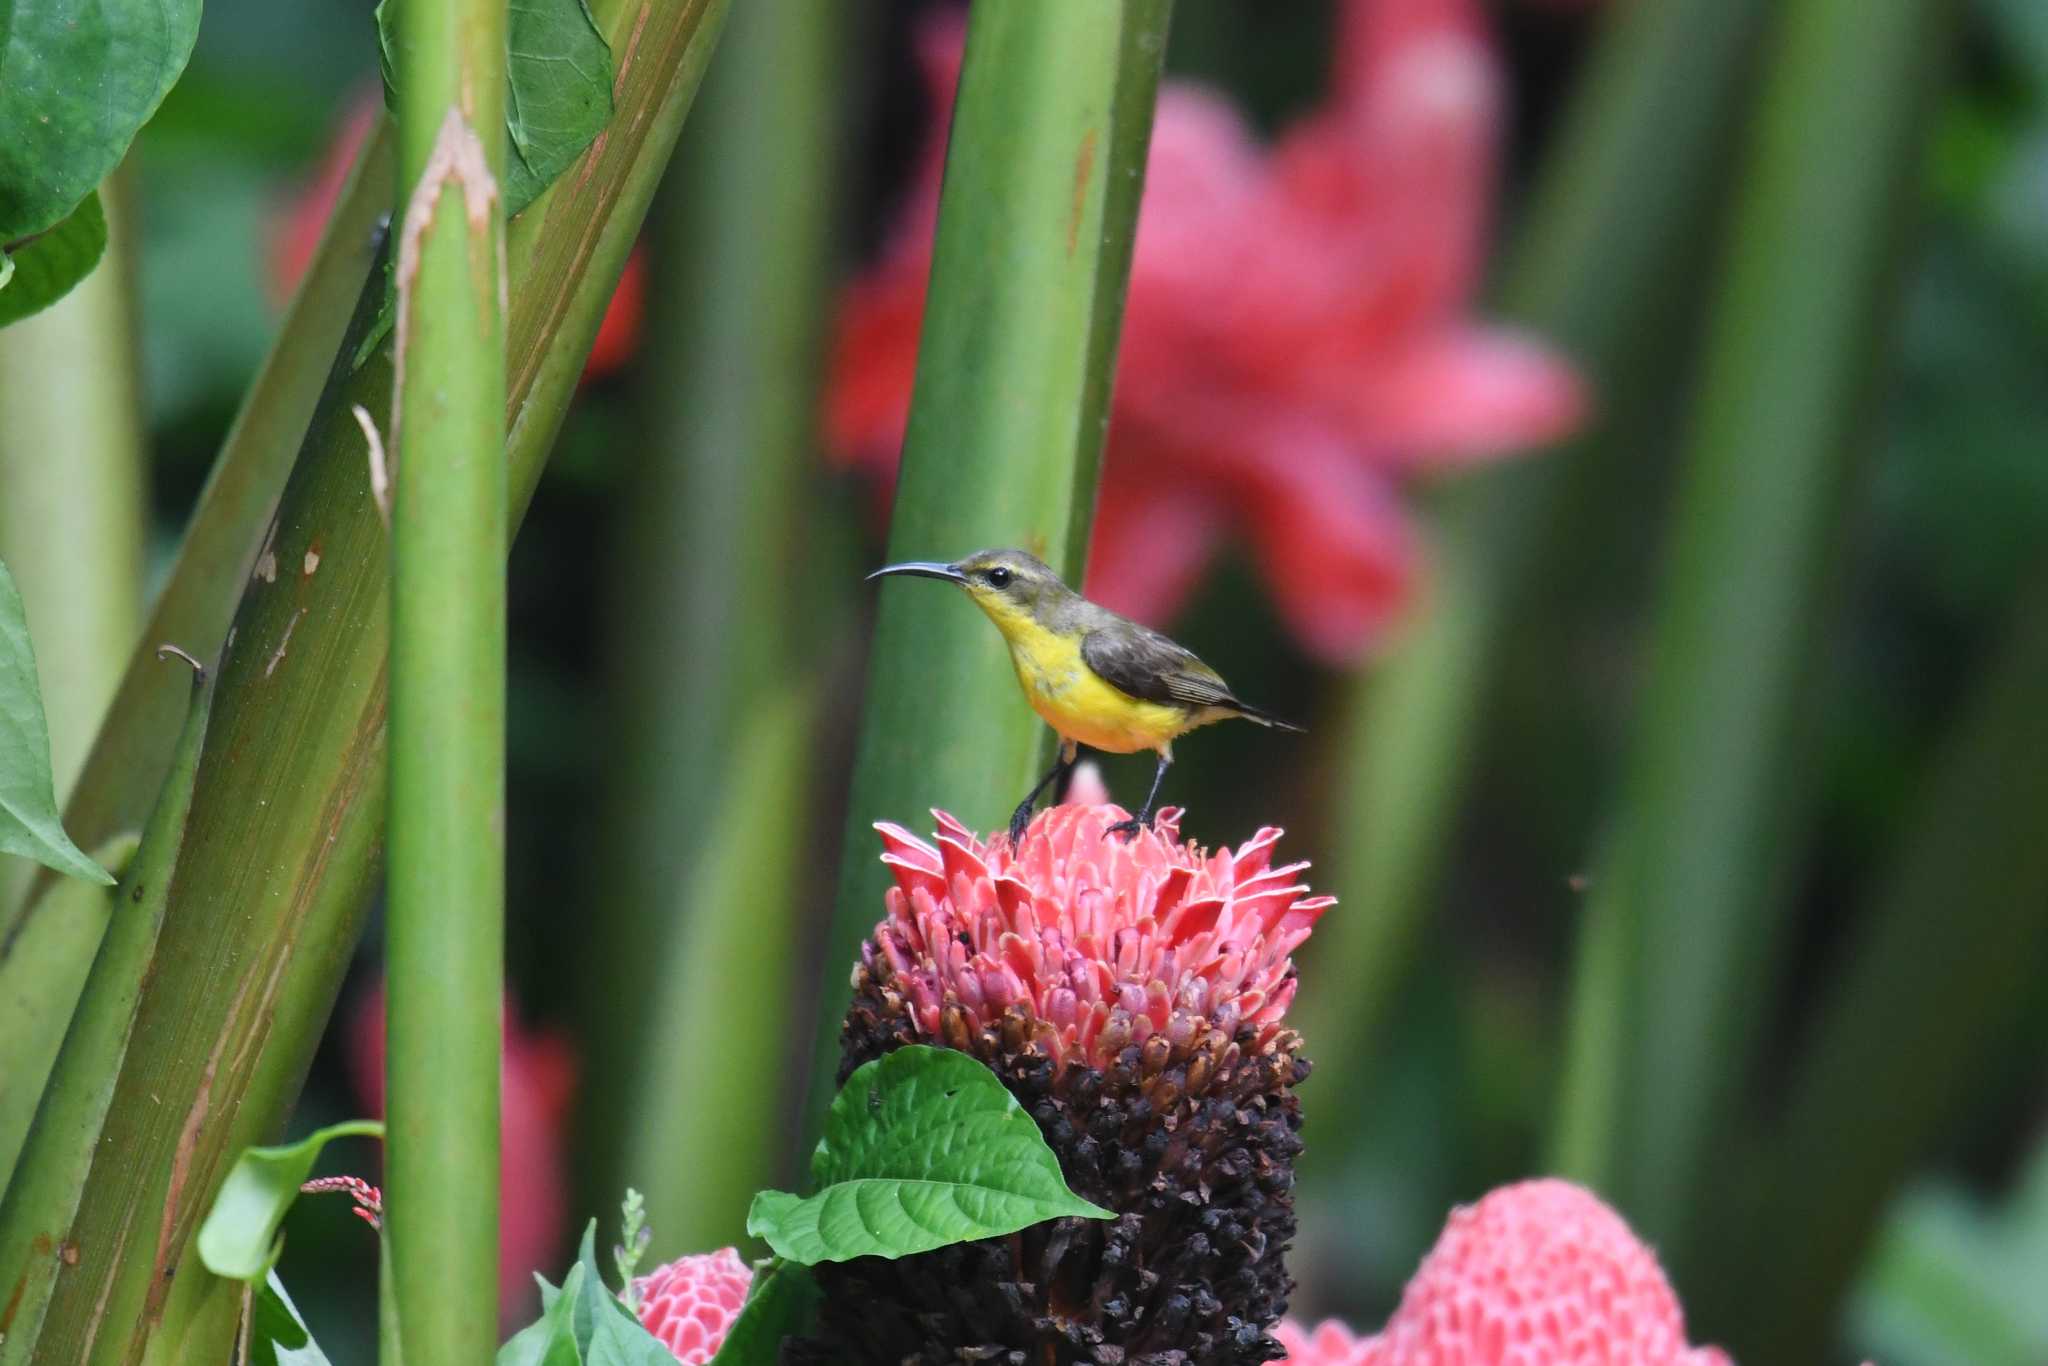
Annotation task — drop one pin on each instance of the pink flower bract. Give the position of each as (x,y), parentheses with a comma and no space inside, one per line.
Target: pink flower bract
(1297,344)
(1535,1274)
(1102,942)
(691,1303)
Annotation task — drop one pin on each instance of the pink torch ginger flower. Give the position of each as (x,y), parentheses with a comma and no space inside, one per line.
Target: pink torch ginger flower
(1131,997)
(1297,343)
(691,1303)
(1103,943)
(1536,1273)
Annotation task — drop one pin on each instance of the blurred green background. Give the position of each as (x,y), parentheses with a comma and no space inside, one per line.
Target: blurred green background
(688,636)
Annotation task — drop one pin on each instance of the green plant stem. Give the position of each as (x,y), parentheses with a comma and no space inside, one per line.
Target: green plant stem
(1044,169)
(732,581)
(1681,905)
(283,840)
(42,1193)
(445,889)
(1614,223)
(1945,969)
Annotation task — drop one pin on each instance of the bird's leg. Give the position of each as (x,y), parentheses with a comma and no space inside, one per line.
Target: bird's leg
(1143,820)
(1021,817)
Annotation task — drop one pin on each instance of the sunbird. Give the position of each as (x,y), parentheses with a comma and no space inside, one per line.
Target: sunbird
(1097,679)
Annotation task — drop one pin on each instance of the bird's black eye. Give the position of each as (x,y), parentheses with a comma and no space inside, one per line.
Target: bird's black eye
(999,577)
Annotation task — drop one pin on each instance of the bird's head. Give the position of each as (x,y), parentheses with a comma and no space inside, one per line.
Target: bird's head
(1010,585)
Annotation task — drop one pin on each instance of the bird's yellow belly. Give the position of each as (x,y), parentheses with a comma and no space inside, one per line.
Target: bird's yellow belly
(1077,703)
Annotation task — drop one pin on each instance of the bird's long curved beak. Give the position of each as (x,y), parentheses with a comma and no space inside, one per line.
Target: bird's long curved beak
(924,569)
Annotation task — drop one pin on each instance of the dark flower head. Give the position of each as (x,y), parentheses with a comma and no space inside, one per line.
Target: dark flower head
(1132,997)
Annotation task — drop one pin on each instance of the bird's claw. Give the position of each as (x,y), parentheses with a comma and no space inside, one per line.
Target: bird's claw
(1128,829)
(1020,820)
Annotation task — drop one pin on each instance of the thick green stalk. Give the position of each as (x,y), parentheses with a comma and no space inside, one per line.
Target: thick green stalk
(731,583)
(42,1194)
(283,840)
(1602,253)
(1036,218)
(127,762)
(1944,972)
(1681,906)
(445,890)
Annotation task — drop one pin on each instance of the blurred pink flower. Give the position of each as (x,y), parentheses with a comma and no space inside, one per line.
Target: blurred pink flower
(1296,344)
(1534,1274)
(538,1080)
(691,1303)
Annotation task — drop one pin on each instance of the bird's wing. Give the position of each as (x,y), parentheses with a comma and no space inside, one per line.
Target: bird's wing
(1148,666)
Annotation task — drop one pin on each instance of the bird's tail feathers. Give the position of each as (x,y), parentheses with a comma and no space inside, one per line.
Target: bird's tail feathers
(1266,718)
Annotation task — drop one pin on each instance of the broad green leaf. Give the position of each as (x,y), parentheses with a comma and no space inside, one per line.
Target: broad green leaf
(277,1335)
(29,823)
(782,1302)
(558,96)
(239,1237)
(37,272)
(550,1340)
(922,1148)
(77,79)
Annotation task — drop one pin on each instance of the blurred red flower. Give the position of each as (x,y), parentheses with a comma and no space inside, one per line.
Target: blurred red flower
(537,1080)
(1537,1272)
(295,233)
(1296,344)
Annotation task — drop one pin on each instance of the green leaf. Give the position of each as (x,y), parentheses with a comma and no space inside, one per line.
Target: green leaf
(37,272)
(558,94)
(277,1335)
(239,1237)
(29,823)
(583,1323)
(550,1340)
(618,1339)
(81,77)
(922,1148)
(782,1303)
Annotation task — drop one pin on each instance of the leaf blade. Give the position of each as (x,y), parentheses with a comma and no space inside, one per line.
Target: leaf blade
(783,1301)
(923,1148)
(239,1237)
(83,76)
(39,272)
(29,822)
